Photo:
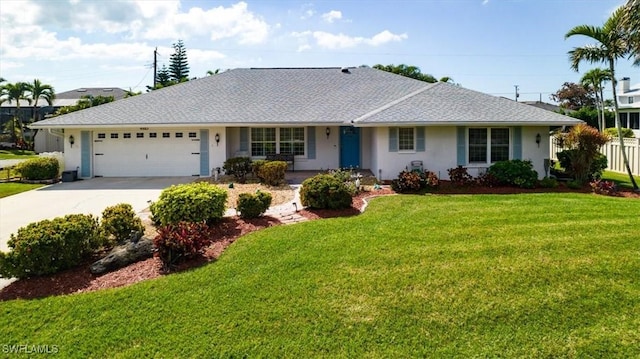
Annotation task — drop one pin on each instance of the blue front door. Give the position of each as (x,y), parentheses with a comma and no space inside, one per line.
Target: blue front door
(349,147)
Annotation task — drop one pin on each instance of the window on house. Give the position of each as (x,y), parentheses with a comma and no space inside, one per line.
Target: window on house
(263,141)
(488,143)
(126,135)
(292,140)
(114,135)
(623,120)
(139,134)
(630,99)
(166,135)
(153,135)
(178,134)
(102,135)
(406,139)
(192,135)
(634,120)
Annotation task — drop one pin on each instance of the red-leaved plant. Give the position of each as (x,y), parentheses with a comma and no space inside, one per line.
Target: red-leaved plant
(607,188)
(176,242)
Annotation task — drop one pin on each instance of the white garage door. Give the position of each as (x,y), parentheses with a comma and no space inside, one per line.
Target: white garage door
(146,153)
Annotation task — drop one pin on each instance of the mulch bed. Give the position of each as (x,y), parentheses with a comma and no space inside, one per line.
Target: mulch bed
(80,279)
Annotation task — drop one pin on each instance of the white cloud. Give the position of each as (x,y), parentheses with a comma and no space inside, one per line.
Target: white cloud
(485,2)
(303,47)
(341,41)
(332,16)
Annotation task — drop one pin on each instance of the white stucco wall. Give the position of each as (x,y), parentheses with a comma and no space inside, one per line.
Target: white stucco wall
(531,151)
(72,153)
(217,151)
(441,152)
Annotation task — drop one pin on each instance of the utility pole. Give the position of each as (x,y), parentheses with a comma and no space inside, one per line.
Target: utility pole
(155,67)
(517,94)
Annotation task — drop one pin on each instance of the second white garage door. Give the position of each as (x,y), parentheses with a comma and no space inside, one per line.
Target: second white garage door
(146,153)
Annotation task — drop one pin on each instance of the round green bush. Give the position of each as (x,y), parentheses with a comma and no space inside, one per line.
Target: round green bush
(50,246)
(119,221)
(517,173)
(253,205)
(325,192)
(41,168)
(273,172)
(193,202)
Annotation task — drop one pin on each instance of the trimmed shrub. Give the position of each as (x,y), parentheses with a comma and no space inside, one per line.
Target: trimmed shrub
(548,182)
(273,172)
(50,246)
(517,173)
(41,168)
(598,164)
(459,176)
(253,205)
(325,191)
(430,179)
(120,221)
(407,181)
(238,167)
(607,188)
(176,242)
(613,132)
(486,179)
(255,168)
(193,202)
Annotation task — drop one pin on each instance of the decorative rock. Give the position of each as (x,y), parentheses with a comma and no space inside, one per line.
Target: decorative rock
(123,255)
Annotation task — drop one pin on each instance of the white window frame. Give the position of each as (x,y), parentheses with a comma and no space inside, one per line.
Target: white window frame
(278,142)
(488,145)
(413,140)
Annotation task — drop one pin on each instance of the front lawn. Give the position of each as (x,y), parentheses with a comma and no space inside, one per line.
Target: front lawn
(622,179)
(11,188)
(531,275)
(16,154)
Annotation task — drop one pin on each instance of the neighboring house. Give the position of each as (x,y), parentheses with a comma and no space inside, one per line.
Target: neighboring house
(45,141)
(327,117)
(546,106)
(629,105)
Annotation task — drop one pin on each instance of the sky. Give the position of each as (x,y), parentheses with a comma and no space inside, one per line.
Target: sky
(485,45)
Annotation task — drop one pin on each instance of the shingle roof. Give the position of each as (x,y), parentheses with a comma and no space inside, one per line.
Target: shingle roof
(302,96)
(444,103)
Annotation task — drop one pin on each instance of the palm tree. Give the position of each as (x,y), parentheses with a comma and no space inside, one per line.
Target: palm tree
(612,44)
(15,92)
(595,78)
(631,24)
(38,90)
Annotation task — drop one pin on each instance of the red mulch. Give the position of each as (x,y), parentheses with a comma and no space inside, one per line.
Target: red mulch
(80,279)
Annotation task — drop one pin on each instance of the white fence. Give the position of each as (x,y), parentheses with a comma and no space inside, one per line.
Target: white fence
(614,156)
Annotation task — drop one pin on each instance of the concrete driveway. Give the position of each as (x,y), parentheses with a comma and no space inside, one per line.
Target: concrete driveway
(88,196)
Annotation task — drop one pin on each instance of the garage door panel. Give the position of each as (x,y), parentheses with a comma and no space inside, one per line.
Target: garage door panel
(145,156)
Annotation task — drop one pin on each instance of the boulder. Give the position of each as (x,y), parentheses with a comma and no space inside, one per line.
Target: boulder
(123,255)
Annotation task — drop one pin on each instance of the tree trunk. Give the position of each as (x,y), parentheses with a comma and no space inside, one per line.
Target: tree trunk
(604,119)
(619,127)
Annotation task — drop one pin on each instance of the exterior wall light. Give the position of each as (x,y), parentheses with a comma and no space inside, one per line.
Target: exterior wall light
(328,132)
(217,139)
(538,139)
(72,140)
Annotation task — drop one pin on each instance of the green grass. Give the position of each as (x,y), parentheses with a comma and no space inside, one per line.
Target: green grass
(537,275)
(622,179)
(16,154)
(11,188)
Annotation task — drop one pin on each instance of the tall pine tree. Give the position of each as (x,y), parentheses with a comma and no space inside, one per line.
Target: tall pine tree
(178,65)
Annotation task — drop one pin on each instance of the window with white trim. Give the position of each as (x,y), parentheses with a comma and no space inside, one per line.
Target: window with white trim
(267,141)
(634,120)
(488,145)
(263,141)
(630,100)
(623,120)
(292,140)
(406,139)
